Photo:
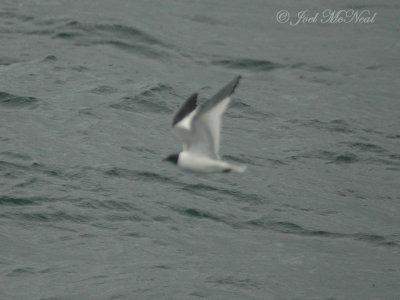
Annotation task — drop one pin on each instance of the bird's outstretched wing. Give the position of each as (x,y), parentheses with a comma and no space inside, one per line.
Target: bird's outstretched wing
(182,120)
(205,126)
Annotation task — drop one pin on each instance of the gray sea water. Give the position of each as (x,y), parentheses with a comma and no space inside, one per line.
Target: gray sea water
(88,210)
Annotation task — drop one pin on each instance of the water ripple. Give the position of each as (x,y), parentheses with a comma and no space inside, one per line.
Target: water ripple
(311,68)
(337,125)
(137,175)
(366,147)
(115,30)
(292,228)
(49,217)
(123,37)
(197,213)
(254,65)
(5,200)
(236,282)
(261,65)
(151,100)
(15,101)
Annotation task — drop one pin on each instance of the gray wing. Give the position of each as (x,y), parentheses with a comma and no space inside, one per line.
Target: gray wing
(206,124)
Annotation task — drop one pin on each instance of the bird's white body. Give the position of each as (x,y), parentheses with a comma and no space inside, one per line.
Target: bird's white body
(199,129)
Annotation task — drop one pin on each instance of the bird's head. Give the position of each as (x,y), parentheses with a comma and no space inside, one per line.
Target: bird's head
(172,158)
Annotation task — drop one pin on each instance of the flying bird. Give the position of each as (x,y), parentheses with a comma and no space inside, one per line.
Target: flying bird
(199,129)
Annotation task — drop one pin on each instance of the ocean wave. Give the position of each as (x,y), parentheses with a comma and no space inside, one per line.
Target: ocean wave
(112,30)
(50,217)
(17,272)
(104,90)
(196,213)
(15,101)
(336,125)
(149,100)
(262,65)
(292,228)
(248,64)
(137,175)
(329,156)
(122,37)
(6,200)
(311,68)
(236,282)
(366,147)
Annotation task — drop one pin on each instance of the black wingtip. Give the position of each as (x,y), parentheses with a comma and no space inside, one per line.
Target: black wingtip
(189,105)
(235,83)
(226,91)
(229,89)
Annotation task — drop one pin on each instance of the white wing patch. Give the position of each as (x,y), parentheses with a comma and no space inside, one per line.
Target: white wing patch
(207,130)
(182,129)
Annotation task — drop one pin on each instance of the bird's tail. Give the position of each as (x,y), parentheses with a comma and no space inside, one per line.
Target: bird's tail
(238,168)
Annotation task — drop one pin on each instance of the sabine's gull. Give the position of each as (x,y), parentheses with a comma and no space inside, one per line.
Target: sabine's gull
(199,129)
